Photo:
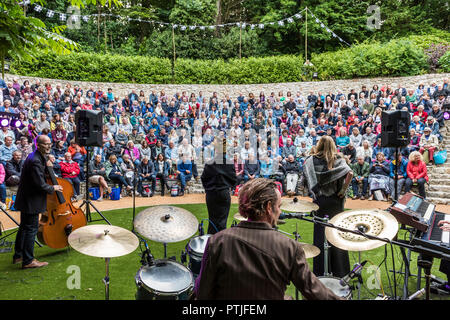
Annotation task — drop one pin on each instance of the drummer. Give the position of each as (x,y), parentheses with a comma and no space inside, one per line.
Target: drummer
(253,261)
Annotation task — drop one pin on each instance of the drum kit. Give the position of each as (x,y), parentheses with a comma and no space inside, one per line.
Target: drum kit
(167,279)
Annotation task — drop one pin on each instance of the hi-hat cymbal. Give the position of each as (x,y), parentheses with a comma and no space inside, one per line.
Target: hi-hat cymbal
(378,223)
(238,217)
(311,251)
(103,241)
(166,224)
(297,205)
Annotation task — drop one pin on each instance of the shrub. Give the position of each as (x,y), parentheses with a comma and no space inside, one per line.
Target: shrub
(401,57)
(444,62)
(394,58)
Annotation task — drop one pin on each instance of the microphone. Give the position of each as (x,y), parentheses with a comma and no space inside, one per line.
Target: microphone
(292,215)
(352,274)
(147,257)
(417,294)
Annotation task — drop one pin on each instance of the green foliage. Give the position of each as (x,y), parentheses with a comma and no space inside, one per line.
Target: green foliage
(444,62)
(395,58)
(97,67)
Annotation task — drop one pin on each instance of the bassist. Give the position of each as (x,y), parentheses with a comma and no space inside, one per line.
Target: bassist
(31,200)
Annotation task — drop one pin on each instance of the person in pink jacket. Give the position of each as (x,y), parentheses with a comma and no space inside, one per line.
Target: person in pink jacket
(2,186)
(417,173)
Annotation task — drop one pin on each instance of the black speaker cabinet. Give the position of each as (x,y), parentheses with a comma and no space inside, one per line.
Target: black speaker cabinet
(89,130)
(395,128)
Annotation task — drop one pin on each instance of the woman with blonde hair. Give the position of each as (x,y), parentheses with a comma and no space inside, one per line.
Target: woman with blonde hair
(328,176)
(417,173)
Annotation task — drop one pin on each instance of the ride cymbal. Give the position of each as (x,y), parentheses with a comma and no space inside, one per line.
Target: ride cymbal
(166,224)
(103,241)
(378,223)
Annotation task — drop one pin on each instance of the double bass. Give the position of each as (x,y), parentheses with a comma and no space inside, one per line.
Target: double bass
(61,217)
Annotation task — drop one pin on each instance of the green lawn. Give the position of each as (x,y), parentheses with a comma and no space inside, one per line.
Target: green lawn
(51,282)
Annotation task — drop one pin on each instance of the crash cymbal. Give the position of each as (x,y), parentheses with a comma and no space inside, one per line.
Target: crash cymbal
(311,251)
(297,205)
(378,223)
(166,224)
(103,241)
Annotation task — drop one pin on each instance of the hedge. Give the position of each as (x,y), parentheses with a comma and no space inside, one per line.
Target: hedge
(401,57)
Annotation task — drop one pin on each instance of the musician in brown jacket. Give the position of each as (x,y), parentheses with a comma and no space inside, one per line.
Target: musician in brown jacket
(253,261)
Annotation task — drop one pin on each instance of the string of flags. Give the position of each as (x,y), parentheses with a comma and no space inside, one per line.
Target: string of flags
(292,19)
(323,26)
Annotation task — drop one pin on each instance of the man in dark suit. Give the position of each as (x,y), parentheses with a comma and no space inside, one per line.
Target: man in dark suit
(31,200)
(253,261)
(218,178)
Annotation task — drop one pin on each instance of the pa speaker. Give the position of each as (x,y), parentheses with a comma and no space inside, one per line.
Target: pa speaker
(89,128)
(395,128)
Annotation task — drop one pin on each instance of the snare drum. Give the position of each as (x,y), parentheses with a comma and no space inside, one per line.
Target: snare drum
(333,284)
(165,280)
(195,250)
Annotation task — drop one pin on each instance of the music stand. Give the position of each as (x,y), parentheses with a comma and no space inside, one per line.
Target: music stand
(88,201)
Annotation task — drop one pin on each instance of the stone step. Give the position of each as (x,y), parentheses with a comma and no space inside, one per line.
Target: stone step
(438,200)
(438,194)
(439,187)
(440,181)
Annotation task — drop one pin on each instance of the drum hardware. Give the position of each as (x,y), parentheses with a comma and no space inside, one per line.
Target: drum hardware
(103,241)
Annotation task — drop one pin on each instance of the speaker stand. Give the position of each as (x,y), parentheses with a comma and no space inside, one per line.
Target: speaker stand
(86,200)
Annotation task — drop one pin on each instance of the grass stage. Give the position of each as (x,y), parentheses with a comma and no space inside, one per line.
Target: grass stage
(50,283)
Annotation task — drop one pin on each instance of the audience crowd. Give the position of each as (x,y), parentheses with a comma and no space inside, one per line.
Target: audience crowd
(151,137)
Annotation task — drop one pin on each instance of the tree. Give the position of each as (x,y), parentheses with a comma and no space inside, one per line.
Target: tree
(22,36)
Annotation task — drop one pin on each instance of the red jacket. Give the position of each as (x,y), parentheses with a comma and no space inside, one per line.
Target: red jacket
(67,169)
(417,171)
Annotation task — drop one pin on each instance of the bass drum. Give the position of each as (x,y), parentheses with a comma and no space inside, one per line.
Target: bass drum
(165,280)
(333,284)
(195,250)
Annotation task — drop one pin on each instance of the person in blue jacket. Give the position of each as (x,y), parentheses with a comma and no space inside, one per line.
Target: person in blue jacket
(401,173)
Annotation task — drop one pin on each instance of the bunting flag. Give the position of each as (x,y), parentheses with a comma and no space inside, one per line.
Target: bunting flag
(289,20)
(63,17)
(323,26)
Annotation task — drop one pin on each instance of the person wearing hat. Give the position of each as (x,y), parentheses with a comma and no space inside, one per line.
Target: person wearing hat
(428,143)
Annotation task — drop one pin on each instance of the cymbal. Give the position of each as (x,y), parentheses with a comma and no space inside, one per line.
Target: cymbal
(378,223)
(238,217)
(103,241)
(311,251)
(297,205)
(166,224)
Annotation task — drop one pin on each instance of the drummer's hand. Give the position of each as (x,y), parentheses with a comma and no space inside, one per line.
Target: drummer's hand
(58,188)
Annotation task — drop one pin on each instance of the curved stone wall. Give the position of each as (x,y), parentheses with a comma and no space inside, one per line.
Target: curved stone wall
(122,89)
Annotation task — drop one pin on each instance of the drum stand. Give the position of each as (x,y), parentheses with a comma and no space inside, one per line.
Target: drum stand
(106,279)
(86,200)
